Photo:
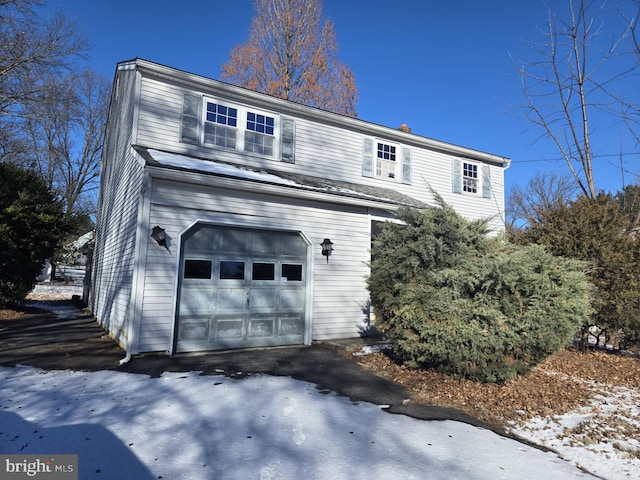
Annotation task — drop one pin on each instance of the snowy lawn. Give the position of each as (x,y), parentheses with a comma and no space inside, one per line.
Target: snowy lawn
(603,436)
(188,426)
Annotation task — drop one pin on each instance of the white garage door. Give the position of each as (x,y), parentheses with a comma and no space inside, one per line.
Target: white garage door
(241,288)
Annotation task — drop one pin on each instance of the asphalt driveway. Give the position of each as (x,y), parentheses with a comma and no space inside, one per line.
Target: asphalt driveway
(73,340)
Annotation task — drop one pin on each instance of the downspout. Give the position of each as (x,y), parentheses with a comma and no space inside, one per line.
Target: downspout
(142,199)
(139,264)
(127,357)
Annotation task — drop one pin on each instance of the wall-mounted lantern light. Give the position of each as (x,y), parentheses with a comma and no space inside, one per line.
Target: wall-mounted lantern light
(157,233)
(327,248)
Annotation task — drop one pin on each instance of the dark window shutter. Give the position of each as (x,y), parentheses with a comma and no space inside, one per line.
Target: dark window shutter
(456,168)
(486,181)
(406,165)
(367,157)
(288,130)
(190,119)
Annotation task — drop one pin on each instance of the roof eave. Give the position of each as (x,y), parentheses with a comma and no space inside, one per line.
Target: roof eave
(177,174)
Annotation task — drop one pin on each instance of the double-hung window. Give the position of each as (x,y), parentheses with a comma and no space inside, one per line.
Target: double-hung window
(221,125)
(386,161)
(260,134)
(239,128)
(213,122)
(469,177)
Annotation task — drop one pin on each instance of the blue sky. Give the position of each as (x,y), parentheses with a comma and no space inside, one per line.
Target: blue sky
(442,67)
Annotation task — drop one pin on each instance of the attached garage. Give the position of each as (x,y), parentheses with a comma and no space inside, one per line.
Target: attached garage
(241,287)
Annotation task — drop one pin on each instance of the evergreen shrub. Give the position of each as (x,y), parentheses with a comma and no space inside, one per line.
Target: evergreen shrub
(452,298)
(31,225)
(596,230)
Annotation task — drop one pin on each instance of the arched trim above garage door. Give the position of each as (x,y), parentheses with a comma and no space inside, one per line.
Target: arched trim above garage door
(242,287)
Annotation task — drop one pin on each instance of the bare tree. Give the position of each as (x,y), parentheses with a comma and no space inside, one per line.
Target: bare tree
(32,49)
(290,54)
(631,111)
(527,206)
(569,83)
(65,128)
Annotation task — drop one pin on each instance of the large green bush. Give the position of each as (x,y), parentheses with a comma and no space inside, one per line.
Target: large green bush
(454,299)
(31,225)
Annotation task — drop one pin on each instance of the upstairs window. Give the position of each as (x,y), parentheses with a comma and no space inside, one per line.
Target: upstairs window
(386,163)
(215,123)
(469,177)
(220,126)
(239,128)
(260,134)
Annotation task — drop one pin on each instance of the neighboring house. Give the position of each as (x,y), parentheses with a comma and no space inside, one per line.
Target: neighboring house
(245,188)
(75,253)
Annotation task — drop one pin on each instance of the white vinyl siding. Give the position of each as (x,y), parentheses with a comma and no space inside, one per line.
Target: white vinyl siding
(320,149)
(338,285)
(160,115)
(121,180)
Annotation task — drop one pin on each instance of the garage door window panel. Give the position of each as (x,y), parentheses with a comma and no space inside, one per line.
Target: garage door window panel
(231,270)
(263,271)
(197,269)
(291,272)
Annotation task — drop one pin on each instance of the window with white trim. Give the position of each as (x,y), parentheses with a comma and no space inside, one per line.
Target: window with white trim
(239,128)
(215,123)
(260,134)
(469,177)
(220,125)
(386,161)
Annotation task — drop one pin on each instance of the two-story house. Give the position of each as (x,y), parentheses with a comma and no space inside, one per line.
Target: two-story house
(216,201)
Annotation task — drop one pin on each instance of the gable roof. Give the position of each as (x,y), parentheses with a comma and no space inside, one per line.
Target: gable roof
(339,191)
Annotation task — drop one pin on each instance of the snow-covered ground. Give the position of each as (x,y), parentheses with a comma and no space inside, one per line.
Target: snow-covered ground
(59,289)
(603,436)
(188,426)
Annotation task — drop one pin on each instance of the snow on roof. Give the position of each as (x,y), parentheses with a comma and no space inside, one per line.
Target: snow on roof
(303,182)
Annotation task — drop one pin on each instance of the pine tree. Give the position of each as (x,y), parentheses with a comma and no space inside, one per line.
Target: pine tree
(597,231)
(31,225)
